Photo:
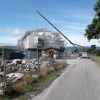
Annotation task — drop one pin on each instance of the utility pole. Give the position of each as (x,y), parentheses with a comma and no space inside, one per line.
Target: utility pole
(4,68)
(38,57)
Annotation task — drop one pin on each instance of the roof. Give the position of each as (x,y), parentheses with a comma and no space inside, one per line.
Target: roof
(50,48)
(38,30)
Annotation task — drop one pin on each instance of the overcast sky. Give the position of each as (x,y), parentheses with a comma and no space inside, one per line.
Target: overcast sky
(70,16)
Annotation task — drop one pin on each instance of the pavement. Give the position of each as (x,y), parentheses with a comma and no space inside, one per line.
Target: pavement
(79,82)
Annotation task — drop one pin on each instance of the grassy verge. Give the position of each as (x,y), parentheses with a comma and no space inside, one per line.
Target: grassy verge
(33,88)
(98,59)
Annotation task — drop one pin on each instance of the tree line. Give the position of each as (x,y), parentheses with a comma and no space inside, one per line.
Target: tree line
(94,50)
(6,52)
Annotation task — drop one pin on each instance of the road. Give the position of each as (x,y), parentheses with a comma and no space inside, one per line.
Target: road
(80,82)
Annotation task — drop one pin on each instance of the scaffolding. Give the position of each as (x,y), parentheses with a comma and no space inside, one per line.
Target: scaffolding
(50,39)
(42,39)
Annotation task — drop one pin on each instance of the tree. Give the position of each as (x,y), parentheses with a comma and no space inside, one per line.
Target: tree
(93,30)
(97,8)
(93,47)
(92,50)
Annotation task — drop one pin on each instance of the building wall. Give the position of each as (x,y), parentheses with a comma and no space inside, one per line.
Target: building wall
(30,41)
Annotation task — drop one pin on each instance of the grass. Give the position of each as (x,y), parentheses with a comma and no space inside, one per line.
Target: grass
(33,88)
(98,59)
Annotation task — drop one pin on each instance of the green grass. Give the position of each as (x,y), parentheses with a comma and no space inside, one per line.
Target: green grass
(34,88)
(98,59)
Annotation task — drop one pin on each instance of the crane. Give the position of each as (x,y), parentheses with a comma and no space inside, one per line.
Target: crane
(60,31)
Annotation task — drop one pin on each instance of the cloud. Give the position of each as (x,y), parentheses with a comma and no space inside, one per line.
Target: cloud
(75,26)
(85,17)
(70,25)
(15,31)
(81,40)
(83,14)
(72,28)
(10,36)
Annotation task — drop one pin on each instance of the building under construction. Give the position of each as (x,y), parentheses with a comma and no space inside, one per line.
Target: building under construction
(40,42)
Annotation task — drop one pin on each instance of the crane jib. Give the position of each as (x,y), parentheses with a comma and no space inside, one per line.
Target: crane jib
(59,31)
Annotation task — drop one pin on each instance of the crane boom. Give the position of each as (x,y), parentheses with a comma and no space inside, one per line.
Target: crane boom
(74,44)
(56,28)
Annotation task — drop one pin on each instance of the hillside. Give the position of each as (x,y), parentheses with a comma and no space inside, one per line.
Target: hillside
(9,47)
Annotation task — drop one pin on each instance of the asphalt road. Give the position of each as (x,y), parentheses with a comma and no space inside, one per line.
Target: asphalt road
(80,82)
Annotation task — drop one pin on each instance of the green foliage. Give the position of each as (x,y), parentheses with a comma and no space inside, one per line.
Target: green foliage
(94,50)
(93,47)
(98,52)
(93,30)
(97,8)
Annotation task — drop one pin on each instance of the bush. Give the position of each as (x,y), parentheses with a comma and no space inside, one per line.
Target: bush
(98,52)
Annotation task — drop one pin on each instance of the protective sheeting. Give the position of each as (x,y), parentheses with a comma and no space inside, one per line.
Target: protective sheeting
(50,39)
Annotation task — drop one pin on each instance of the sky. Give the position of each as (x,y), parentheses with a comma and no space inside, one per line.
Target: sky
(70,16)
